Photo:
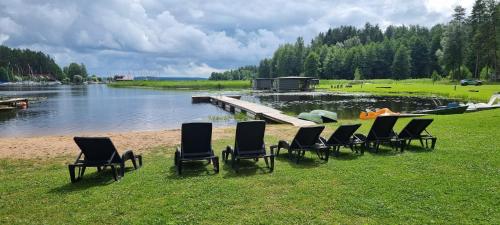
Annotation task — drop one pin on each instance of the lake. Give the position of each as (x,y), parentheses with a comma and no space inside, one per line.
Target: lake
(65,109)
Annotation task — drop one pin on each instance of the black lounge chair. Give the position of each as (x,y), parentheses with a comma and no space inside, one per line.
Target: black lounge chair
(196,145)
(413,131)
(306,139)
(382,132)
(100,152)
(249,144)
(343,137)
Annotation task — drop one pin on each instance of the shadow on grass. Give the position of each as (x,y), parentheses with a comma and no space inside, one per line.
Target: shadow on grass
(345,156)
(89,180)
(418,149)
(247,167)
(384,150)
(310,160)
(192,169)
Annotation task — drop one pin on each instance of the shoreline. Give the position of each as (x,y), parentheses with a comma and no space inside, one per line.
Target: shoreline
(53,146)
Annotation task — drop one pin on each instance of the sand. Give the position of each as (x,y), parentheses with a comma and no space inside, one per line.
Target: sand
(47,147)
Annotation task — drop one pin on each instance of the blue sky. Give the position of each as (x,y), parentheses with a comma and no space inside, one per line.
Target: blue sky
(190,38)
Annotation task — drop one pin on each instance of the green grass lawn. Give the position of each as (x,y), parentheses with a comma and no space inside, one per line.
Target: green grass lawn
(419,87)
(457,183)
(194,84)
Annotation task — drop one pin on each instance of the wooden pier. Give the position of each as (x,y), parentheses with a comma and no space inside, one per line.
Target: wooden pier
(234,104)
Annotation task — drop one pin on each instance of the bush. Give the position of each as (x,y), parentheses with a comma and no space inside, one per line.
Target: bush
(17,79)
(486,73)
(435,76)
(77,79)
(464,73)
(357,74)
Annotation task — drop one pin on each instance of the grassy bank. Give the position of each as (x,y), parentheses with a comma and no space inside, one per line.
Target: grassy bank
(195,84)
(457,183)
(420,87)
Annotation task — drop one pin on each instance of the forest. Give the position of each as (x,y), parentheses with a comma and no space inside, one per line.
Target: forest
(465,47)
(25,64)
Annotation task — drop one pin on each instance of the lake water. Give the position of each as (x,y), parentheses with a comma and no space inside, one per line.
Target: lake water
(84,109)
(97,108)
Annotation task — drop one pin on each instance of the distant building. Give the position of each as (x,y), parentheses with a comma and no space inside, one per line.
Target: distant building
(123,77)
(283,84)
(263,84)
(295,84)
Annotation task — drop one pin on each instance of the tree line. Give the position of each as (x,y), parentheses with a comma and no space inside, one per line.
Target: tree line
(24,64)
(465,47)
(242,73)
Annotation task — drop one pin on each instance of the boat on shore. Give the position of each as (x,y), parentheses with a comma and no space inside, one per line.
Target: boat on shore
(451,108)
(319,116)
(326,116)
(14,103)
(310,117)
(378,112)
(493,103)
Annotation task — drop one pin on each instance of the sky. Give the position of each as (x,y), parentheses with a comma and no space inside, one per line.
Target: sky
(191,38)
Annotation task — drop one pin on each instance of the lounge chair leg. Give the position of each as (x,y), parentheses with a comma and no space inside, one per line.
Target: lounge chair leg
(327,155)
(421,142)
(216,164)
(72,173)
(272,163)
(139,157)
(177,157)
(266,161)
(122,169)
(99,169)
(81,171)
(179,167)
(237,165)
(115,175)
(433,144)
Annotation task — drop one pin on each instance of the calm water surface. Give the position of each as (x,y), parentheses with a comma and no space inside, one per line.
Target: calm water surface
(98,108)
(346,105)
(84,109)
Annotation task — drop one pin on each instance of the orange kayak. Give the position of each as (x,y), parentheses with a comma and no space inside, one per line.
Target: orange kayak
(373,115)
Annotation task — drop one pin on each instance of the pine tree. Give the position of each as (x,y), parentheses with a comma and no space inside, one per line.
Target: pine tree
(453,43)
(419,58)
(401,64)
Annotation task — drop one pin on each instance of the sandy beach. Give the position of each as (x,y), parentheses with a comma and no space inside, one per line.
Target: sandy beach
(47,147)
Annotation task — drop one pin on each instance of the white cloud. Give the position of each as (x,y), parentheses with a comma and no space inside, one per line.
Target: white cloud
(3,38)
(191,69)
(190,37)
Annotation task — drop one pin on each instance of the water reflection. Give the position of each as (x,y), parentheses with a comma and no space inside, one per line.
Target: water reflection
(97,108)
(347,106)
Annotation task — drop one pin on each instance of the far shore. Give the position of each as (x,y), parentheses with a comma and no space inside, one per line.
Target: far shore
(56,146)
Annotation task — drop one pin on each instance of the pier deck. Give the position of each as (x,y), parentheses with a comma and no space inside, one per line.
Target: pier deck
(256,110)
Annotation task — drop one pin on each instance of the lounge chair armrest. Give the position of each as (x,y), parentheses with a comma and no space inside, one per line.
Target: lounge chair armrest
(127,155)
(322,139)
(283,144)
